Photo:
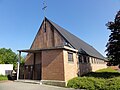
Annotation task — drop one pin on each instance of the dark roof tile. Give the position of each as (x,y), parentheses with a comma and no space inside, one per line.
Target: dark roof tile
(76,42)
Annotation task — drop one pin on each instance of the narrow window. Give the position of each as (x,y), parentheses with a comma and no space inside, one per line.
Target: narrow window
(70,56)
(85,59)
(80,58)
(88,60)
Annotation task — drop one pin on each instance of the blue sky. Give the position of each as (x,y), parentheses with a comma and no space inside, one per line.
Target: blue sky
(21,19)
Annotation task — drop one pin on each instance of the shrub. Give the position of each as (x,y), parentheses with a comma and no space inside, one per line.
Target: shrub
(112,84)
(2,77)
(91,83)
(88,83)
(105,75)
(98,83)
(104,79)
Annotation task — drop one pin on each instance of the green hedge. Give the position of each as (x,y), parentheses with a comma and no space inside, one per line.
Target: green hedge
(104,79)
(105,75)
(112,84)
(3,77)
(91,83)
(88,83)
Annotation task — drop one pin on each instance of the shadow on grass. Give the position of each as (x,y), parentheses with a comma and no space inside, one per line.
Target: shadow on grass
(105,75)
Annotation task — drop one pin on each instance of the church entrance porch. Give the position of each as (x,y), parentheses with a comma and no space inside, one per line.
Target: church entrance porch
(32,69)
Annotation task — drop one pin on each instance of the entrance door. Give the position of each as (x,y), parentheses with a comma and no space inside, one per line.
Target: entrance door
(28,72)
(38,71)
(37,66)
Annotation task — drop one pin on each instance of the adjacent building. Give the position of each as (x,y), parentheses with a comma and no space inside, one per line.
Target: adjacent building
(6,69)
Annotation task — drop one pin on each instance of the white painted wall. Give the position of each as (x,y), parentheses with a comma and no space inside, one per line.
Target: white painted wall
(6,69)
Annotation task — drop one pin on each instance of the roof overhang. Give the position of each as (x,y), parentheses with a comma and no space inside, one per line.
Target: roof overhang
(45,49)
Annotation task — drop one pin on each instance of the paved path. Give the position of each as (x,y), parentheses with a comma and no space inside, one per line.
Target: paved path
(27,86)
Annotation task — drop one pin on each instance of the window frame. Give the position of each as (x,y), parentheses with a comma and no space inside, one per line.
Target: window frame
(70,57)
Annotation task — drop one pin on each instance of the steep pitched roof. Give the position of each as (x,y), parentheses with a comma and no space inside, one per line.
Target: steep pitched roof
(77,43)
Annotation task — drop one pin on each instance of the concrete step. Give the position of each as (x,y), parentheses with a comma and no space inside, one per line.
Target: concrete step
(29,81)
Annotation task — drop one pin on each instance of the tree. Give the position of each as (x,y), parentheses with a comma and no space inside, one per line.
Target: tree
(113,45)
(7,56)
(22,61)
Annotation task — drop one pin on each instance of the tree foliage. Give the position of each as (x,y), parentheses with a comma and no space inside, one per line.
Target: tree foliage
(22,61)
(7,56)
(113,45)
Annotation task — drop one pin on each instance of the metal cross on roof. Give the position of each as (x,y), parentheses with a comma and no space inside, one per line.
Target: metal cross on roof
(45,6)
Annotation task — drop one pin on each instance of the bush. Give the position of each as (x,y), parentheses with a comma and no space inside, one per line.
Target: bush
(98,83)
(112,84)
(88,83)
(2,77)
(104,79)
(105,75)
(91,83)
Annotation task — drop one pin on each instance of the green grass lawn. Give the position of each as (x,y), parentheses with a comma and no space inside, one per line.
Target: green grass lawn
(109,69)
(3,77)
(104,73)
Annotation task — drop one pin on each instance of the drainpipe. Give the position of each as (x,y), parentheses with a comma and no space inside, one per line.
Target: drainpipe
(18,65)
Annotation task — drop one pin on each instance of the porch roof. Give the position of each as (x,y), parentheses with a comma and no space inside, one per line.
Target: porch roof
(44,49)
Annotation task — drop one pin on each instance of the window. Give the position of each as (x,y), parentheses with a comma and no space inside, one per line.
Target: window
(80,58)
(92,60)
(85,59)
(70,56)
(88,59)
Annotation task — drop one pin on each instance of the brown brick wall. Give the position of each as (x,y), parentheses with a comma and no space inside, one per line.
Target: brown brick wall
(70,68)
(84,68)
(52,65)
(38,58)
(50,38)
(93,65)
(29,59)
(96,67)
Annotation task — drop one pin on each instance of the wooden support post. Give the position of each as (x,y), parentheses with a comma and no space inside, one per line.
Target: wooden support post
(34,66)
(24,72)
(18,65)
(40,65)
